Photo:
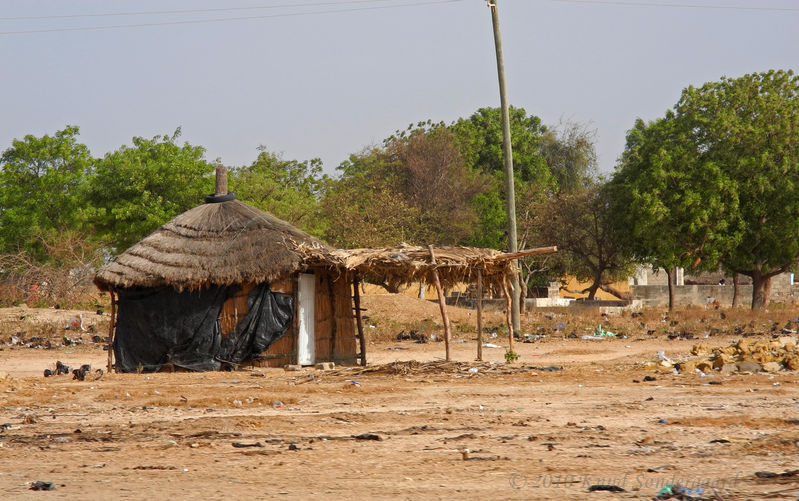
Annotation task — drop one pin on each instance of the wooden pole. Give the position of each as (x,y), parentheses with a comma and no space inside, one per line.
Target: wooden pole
(479,315)
(111,332)
(221,180)
(442,304)
(357,298)
(526,252)
(510,193)
(508,312)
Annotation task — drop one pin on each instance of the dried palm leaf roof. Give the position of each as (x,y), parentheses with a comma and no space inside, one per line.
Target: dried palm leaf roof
(407,264)
(214,244)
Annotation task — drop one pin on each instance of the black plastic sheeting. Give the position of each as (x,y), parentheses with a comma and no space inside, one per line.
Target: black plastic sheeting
(156,327)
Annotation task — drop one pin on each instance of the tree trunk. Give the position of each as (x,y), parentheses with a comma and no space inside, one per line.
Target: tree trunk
(523,287)
(422,288)
(736,297)
(760,289)
(670,279)
(624,296)
(594,286)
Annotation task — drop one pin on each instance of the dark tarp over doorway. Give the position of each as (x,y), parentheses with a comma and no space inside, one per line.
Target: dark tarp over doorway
(157,327)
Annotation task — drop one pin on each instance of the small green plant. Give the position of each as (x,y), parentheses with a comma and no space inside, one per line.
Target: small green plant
(511,356)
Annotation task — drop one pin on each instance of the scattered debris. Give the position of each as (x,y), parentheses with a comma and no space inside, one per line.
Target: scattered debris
(75,323)
(80,374)
(548,368)
(606,487)
(241,445)
(769,474)
(413,335)
(600,332)
(745,355)
(42,486)
(368,436)
(676,491)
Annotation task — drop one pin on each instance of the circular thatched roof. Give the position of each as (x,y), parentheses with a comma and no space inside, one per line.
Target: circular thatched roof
(213,244)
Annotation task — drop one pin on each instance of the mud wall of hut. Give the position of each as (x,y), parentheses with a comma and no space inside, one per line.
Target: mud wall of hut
(334,327)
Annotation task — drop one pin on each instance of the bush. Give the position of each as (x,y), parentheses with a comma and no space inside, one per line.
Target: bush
(65,279)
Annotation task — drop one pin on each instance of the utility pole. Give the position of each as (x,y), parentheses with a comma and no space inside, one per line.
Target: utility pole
(510,194)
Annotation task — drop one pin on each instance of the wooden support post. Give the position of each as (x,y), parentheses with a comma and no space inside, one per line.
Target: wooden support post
(479,315)
(111,332)
(508,312)
(442,303)
(357,298)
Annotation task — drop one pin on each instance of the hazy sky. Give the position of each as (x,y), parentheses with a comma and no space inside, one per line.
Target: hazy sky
(325,79)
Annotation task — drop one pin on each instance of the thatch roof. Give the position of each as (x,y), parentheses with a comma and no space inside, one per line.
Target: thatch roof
(214,244)
(407,264)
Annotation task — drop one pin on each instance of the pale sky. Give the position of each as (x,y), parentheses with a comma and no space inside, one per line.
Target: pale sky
(313,78)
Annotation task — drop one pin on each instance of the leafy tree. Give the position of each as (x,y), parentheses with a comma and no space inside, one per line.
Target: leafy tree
(288,189)
(363,209)
(569,152)
(579,224)
(480,137)
(668,211)
(135,189)
(41,185)
(480,140)
(416,188)
(433,179)
(721,175)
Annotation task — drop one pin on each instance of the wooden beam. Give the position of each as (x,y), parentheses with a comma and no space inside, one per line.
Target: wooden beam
(479,315)
(526,252)
(357,298)
(507,312)
(442,303)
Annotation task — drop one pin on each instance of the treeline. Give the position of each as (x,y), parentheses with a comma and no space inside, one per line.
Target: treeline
(713,184)
(431,183)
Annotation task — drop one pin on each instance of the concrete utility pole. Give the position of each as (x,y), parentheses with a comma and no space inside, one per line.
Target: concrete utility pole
(510,194)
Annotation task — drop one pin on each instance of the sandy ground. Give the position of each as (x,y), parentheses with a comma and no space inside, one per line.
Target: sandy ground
(532,433)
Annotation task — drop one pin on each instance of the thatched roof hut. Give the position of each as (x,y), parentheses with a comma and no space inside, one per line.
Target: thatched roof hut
(225,283)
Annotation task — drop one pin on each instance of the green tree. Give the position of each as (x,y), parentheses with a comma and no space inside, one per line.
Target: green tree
(480,141)
(416,184)
(288,189)
(363,208)
(137,188)
(580,225)
(668,211)
(717,179)
(433,178)
(41,187)
(569,152)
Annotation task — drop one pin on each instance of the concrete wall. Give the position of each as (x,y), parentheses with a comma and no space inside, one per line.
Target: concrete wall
(658,295)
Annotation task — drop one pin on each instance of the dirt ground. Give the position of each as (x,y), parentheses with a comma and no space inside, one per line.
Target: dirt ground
(569,414)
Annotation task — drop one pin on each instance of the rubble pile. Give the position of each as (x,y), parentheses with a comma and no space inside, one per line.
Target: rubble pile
(745,355)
